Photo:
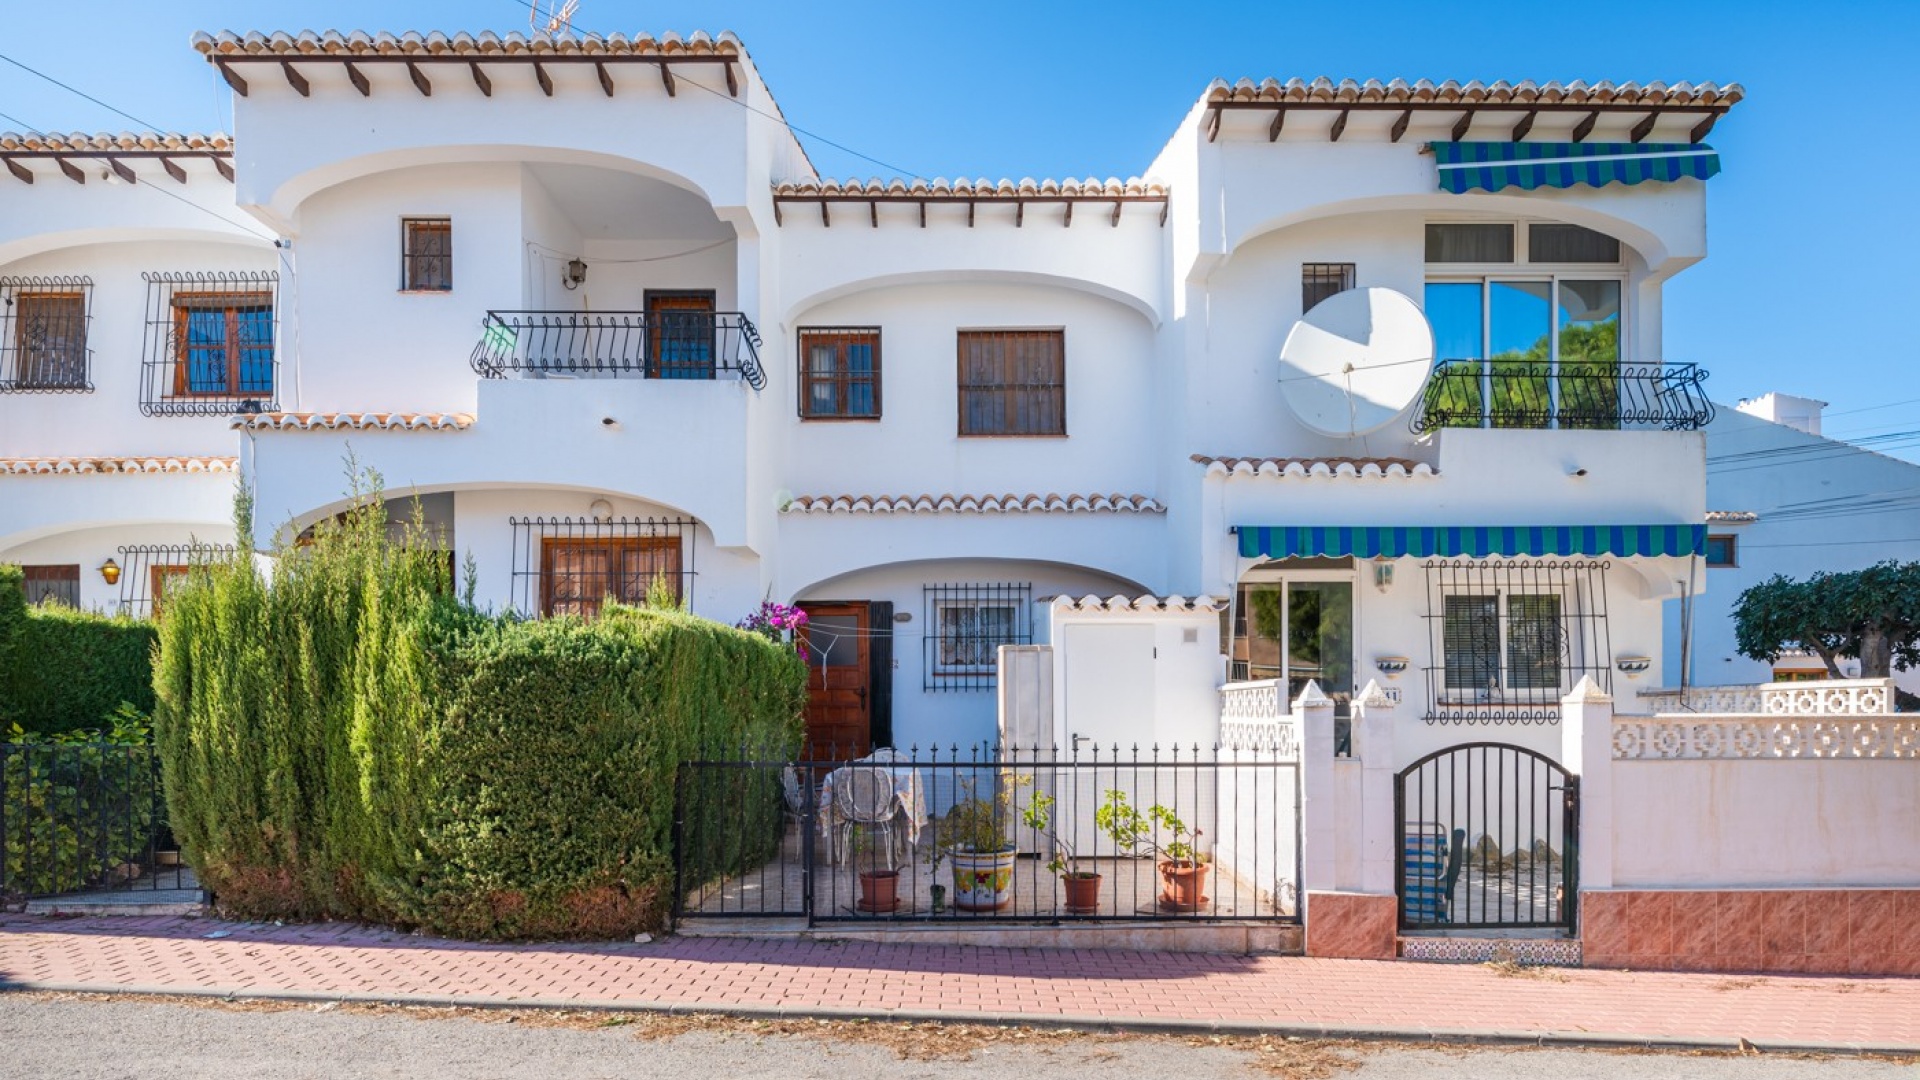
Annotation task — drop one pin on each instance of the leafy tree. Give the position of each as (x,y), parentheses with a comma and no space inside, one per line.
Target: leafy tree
(1872,615)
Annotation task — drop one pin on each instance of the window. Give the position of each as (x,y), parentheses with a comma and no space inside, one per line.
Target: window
(1527,352)
(578,576)
(164,576)
(572,566)
(147,572)
(1570,244)
(52,584)
(1450,243)
(1509,637)
(426,254)
(1723,551)
(1321,280)
(1013,382)
(840,373)
(1297,630)
(43,334)
(680,335)
(1475,632)
(966,625)
(210,344)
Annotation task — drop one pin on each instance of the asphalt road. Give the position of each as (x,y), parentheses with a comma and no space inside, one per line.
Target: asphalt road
(96,1038)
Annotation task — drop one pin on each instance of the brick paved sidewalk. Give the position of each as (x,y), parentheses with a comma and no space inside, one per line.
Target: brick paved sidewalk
(1293,995)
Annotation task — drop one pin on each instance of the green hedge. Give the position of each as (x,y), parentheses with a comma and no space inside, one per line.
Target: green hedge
(64,670)
(348,740)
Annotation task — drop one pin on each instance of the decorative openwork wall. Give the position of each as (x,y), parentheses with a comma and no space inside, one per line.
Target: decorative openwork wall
(572,566)
(1838,697)
(1510,638)
(1702,737)
(210,343)
(1254,716)
(965,626)
(43,335)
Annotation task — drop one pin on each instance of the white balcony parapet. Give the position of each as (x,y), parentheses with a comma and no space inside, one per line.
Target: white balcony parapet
(1254,716)
(1709,737)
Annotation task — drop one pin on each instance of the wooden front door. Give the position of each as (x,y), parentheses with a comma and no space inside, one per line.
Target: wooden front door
(839,674)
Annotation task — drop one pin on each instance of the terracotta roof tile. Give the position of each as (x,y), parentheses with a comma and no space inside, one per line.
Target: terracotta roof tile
(983,188)
(53,142)
(353,421)
(1731,517)
(1603,94)
(1123,604)
(108,466)
(1295,468)
(486,45)
(975,504)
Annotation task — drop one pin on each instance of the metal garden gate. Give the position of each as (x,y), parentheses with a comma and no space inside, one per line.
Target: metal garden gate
(1487,836)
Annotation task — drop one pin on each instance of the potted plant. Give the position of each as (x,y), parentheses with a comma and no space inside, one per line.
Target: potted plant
(1081,886)
(879,887)
(974,837)
(1182,864)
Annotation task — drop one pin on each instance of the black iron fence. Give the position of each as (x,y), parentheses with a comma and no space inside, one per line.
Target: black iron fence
(1575,395)
(83,816)
(992,835)
(619,344)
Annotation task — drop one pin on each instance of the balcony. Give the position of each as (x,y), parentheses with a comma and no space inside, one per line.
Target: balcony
(619,345)
(1570,395)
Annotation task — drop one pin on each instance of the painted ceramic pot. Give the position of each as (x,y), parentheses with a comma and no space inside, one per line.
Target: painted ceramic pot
(982,880)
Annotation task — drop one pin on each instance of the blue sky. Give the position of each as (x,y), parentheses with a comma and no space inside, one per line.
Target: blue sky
(1812,222)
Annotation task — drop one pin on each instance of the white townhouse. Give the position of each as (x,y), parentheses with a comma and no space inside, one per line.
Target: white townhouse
(587,298)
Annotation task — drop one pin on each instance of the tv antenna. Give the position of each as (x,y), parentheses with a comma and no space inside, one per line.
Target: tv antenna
(1356,361)
(557,20)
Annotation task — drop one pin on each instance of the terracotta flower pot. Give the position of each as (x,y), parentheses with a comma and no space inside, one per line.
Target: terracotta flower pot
(1183,885)
(982,880)
(879,890)
(1083,893)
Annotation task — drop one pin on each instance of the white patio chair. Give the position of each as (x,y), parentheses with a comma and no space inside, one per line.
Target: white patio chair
(864,797)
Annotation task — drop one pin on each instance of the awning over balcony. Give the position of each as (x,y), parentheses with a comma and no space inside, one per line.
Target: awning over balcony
(1469,541)
(1492,166)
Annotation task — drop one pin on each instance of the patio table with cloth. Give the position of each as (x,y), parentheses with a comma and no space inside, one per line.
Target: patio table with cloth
(910,804)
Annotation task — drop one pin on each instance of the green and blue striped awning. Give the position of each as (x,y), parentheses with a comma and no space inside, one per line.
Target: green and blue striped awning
(1492,166)
(1469,541)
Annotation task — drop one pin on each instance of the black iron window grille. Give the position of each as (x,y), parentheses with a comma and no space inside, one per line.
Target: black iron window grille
(1013,382)
(210,343)
(148,570)
(966,625)
(663,344)
(426,254)
(43,335)
(1510,639)
(840,373)
(52,584)
(1321,280)
(574,566)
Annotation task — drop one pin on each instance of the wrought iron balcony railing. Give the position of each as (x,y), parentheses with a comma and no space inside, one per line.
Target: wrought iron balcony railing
(1577,395)
(619,344)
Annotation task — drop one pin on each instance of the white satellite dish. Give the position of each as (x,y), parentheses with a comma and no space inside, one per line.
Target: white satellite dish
(1356,361)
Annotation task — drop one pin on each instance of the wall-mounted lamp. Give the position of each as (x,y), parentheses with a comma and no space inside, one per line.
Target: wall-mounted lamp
(110,572)
(1382,573)
(1633,666)
(575,275)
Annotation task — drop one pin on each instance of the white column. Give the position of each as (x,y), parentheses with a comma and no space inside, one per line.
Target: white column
(1374,715)
(1586,749)
(1313,711)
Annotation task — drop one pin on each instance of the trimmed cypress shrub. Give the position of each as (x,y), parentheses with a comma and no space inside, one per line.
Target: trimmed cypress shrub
(63,670)
(346,739)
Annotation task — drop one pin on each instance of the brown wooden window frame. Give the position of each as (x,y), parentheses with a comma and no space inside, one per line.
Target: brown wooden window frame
(161,575)
(1315,277)
(183,304)
(841,380)
(55,574)
(673,352)
(653,549)
(1008,389)
(69,355)
(416,267)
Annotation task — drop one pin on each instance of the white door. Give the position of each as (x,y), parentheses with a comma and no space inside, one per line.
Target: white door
(1109,704)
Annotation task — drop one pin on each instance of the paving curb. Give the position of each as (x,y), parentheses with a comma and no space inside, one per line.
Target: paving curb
(1140,1025)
